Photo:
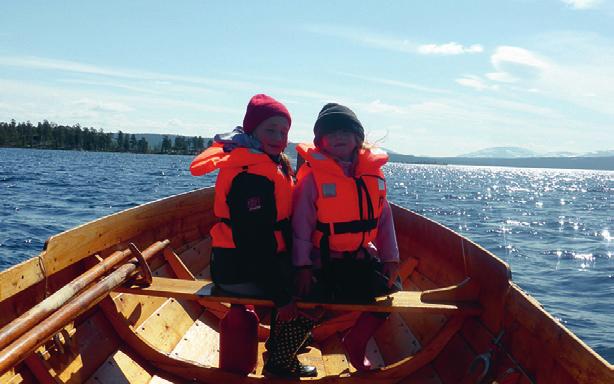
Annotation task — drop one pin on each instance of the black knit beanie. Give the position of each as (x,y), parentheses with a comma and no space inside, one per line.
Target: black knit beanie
(335,117)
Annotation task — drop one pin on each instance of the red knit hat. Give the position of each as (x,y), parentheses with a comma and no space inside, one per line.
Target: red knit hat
(260,108)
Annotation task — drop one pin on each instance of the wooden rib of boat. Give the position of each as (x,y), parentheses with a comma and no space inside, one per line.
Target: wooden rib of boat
(112,301)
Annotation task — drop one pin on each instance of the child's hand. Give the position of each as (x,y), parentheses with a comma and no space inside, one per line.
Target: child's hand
(304,279)
(391,269)
(287,312)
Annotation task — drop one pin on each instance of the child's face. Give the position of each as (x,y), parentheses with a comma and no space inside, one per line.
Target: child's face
(273,134)
(340,144)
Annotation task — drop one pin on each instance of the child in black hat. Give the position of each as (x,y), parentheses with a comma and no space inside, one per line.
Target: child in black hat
(342,223)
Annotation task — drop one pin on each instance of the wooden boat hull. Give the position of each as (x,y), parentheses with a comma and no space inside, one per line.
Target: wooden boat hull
(145,337)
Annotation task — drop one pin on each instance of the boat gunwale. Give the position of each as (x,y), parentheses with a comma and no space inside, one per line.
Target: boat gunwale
(46,266)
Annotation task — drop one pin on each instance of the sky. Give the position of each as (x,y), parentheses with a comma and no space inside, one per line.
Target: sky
(435,78)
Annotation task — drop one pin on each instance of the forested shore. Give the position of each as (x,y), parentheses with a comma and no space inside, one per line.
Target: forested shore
(48,135)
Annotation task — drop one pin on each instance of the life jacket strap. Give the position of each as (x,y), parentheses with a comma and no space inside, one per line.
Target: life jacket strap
(280,225)
(355,226)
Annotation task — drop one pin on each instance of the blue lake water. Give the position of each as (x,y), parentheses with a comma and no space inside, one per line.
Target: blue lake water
(554,227)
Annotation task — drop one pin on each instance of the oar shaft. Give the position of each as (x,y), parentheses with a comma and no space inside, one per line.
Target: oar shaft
(34,315)
(33,338)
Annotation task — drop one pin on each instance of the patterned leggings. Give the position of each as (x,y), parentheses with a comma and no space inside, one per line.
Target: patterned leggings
(287,337)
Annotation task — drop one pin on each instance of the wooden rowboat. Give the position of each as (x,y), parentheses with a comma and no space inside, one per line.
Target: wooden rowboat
(127,299)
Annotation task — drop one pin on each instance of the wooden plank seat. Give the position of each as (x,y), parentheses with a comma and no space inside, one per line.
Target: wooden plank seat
(205,290)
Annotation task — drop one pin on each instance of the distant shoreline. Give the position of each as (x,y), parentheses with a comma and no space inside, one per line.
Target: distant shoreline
(583,163)
(48,135)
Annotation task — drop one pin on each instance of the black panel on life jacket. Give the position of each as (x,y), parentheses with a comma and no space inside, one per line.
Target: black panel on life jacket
(253,214)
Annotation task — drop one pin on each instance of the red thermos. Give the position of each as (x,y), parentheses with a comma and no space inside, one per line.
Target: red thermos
(239,340)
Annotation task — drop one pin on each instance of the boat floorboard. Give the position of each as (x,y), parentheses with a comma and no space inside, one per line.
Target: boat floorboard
(192,345)
(120,368)
(334,358)
(159,380)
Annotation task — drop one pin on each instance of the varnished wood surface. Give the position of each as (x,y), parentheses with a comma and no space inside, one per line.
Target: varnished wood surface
(73,245)
(20,277)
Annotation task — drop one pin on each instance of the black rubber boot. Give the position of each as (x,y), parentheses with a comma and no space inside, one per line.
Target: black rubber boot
(303,349)
(296,369)
(286,339)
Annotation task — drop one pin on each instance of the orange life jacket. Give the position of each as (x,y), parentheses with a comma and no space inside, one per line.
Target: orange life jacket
(348,208)
(230,165)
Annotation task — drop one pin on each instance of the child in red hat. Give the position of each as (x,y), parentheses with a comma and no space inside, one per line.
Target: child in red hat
(252,241)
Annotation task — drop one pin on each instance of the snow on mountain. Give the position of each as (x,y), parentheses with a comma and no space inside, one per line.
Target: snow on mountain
(502,153)
(519,152)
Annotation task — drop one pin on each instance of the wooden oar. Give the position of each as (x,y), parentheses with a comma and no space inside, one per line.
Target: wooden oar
(36,336)
(34,315)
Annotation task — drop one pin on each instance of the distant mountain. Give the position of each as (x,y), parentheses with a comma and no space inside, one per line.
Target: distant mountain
(576,154)
(519,152)
(390,151)
(502,153)
(560,154)
(599,153)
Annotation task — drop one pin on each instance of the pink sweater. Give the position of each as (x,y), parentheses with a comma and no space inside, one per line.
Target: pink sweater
(304,218)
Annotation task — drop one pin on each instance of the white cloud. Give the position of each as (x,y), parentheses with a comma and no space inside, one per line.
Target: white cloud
(582,4)
(390,43)
(395,83)
(519,56)
(300,93)
(108,84)
(574,71)
(377,106)
(176,122)
(502,77)
(31,101)
(450,48)
(516,65)
(515,106)
(474,82)
(43,63)
(583,85)
(63,65)
(416,127)
(101,106)
(364,37)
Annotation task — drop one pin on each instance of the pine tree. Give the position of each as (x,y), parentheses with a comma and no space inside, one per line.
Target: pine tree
(142,145)
(166,145)
(132,143)
(126,143)
(180,144)
(120,140)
